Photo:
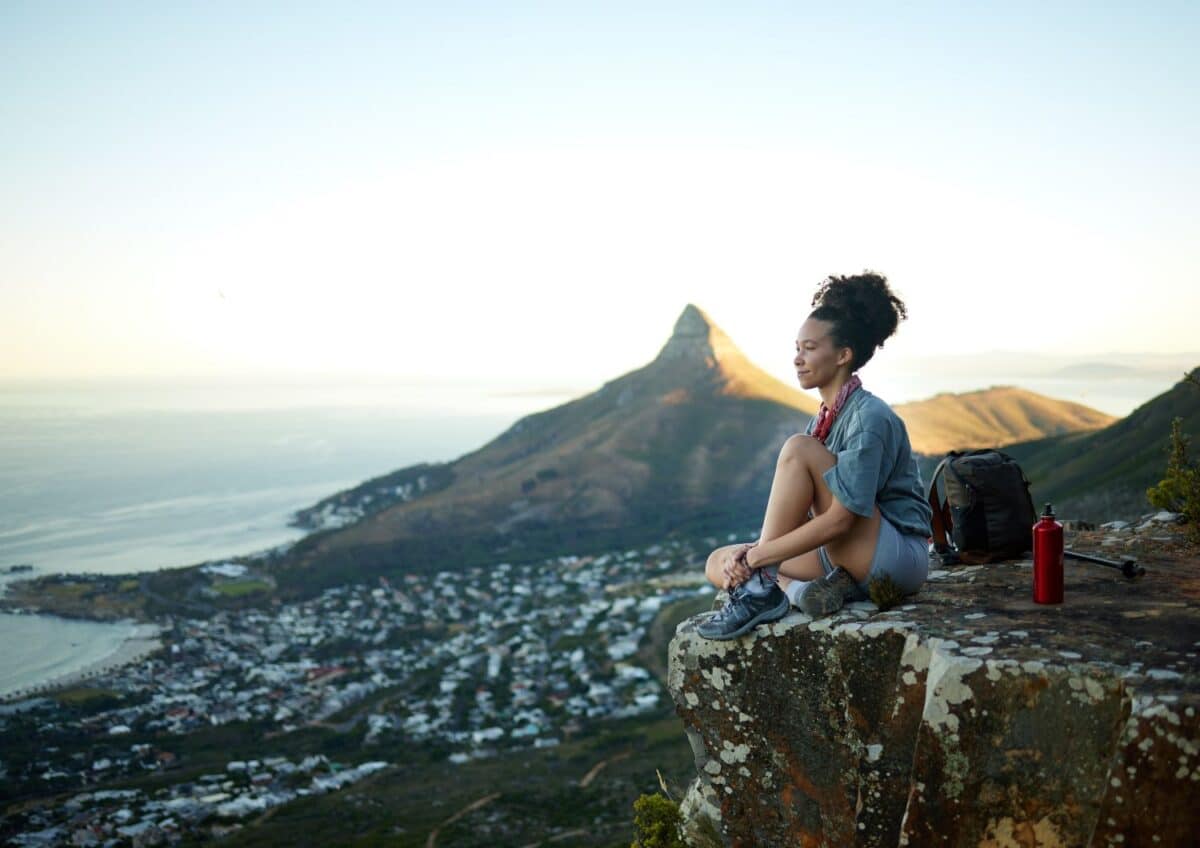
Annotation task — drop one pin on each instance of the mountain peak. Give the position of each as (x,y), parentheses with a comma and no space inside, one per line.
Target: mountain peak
(700,353)
(697,338)
(692,320)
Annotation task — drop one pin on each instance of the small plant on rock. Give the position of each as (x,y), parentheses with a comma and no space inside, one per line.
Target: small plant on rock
(884,592)
(657,822)
(1179,490)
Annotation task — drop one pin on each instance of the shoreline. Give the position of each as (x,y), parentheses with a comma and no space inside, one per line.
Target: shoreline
(142,641)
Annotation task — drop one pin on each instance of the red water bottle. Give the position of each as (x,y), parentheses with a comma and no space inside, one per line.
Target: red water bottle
(1048,559)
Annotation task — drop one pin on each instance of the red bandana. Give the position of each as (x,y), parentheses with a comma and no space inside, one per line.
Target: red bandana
(826,416)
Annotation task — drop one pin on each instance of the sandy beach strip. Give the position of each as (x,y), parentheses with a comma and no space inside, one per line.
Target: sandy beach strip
(141,643)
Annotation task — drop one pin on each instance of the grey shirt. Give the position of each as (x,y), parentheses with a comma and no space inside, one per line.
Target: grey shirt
(875,464)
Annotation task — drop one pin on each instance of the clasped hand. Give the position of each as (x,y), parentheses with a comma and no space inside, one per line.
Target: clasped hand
(737,569)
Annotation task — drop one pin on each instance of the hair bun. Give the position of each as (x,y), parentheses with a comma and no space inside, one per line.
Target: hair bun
(865,309)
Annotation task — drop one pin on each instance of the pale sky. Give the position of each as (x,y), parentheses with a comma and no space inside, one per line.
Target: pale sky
(504,191)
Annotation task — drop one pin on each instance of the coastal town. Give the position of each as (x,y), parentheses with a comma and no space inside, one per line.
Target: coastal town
(462,665)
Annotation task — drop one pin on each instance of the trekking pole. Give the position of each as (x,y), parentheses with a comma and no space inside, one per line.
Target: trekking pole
(1126,566)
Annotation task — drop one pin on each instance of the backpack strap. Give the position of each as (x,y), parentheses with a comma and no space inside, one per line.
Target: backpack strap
(1024,479)
(942,523)
(966,487)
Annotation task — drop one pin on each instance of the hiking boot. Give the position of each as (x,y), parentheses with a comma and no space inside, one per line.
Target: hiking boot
(826,595)
(743,611)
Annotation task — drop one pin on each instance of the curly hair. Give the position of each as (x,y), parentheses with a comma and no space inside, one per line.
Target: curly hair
(864,312)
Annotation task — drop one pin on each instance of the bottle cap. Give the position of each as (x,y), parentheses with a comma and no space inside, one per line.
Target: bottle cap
(1049,513)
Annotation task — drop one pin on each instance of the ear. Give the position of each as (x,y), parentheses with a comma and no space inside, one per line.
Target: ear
(845,355)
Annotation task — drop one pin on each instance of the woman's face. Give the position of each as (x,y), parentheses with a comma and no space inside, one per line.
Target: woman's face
(817,360)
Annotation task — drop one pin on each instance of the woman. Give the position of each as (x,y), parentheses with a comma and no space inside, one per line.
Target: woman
(847,504)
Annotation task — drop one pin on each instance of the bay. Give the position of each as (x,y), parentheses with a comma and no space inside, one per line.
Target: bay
(41,648)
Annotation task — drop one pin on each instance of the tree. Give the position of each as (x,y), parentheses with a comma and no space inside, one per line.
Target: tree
(1179,490)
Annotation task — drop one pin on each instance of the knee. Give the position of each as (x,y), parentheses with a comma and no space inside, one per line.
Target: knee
(801,448)
(712,569)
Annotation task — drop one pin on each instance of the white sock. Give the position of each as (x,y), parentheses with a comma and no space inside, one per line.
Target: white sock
(794,589)
(762,581)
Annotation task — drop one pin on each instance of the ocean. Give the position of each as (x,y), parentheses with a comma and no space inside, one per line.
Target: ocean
(121,481)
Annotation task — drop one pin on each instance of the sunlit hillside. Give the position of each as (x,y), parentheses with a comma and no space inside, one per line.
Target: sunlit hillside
(994,417)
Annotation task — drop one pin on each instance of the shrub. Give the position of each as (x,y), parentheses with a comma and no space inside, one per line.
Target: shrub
(1179,490)
(884,592)
(657,823)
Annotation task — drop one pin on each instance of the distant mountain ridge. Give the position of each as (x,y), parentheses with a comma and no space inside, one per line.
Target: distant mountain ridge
(1096,371)
(1104,474)
(687,442)
(994,417)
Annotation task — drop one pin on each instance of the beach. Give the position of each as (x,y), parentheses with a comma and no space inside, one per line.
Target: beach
(45,653)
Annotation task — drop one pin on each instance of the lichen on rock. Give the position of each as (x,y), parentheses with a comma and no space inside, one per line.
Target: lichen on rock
(969,716)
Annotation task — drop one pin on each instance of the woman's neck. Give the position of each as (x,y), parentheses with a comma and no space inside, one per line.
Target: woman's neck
(829,391)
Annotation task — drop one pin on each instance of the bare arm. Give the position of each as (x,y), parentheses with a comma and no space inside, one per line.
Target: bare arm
(822,529)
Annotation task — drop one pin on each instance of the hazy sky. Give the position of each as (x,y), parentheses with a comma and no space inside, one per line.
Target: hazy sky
(502,191)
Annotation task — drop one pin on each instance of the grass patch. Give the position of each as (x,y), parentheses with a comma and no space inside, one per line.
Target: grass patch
(241,588)
(98,600)
(85,696)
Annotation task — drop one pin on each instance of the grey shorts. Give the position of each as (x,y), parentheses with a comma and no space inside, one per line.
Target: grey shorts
(901,556)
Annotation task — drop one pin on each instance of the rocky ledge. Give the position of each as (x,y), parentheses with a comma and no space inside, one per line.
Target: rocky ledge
(969,716)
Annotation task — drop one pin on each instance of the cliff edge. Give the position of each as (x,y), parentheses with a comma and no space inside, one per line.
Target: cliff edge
(969,716)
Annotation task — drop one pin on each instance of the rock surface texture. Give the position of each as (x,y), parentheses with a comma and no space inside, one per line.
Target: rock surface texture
(969,716)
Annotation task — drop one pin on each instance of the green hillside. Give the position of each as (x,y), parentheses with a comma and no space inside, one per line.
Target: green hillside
(1104,475)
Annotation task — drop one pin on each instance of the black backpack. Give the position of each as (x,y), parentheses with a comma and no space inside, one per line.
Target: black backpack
(987,514)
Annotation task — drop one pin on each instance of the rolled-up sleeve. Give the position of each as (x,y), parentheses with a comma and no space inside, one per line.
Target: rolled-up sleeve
(854,481)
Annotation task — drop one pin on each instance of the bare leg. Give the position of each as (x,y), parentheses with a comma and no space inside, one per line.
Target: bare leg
(793,487)
(798,486)
(797,471)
